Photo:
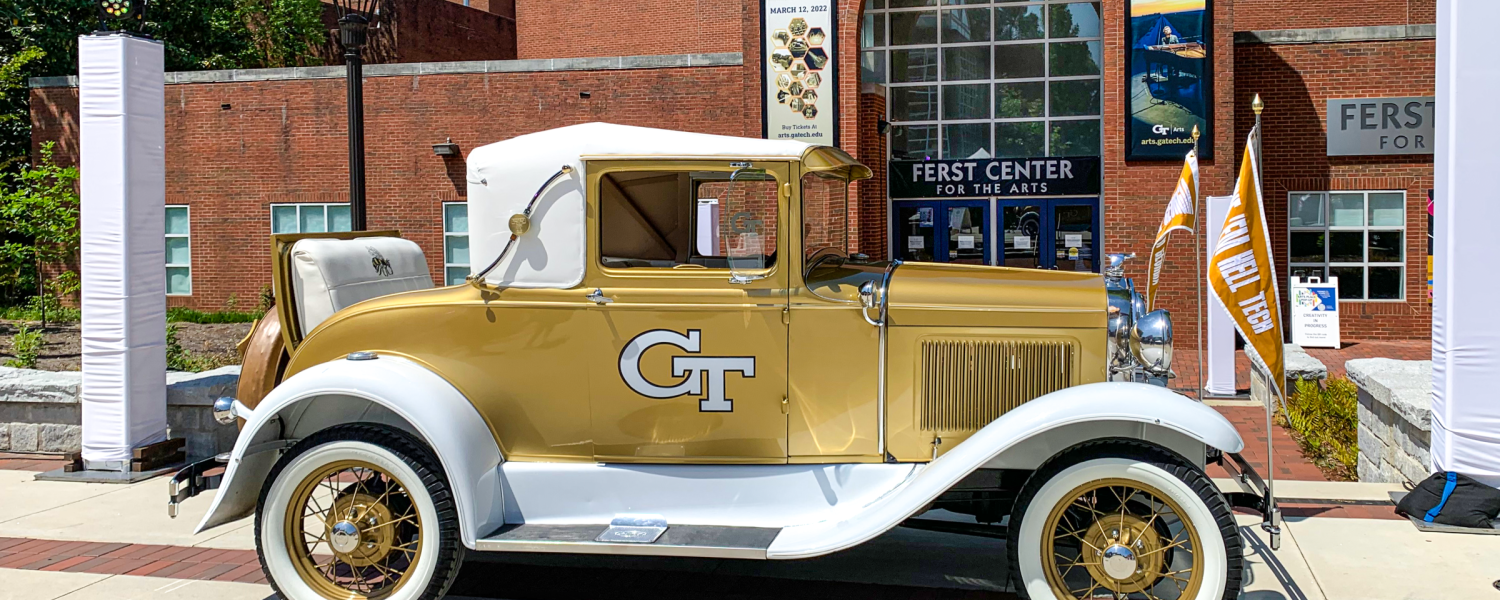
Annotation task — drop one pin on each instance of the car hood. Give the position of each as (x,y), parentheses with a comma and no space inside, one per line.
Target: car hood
(936,294)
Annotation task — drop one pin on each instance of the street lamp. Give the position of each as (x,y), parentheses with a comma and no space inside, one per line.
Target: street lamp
(355,19)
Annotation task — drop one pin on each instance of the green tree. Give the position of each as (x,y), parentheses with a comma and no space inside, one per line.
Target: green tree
(38,223)
(198,34)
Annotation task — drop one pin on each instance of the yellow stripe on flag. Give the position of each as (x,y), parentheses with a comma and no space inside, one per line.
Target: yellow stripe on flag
(1241,272)
(1182,213)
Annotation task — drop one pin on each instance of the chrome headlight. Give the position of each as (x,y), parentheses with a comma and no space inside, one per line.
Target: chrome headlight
(1151,342)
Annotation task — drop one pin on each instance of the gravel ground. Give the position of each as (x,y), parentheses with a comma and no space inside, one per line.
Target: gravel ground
(61,345)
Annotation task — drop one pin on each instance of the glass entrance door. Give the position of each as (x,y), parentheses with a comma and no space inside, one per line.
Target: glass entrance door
(1050,234)
(955,231)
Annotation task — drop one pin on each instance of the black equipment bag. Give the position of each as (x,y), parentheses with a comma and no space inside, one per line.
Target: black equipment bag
(1452,499)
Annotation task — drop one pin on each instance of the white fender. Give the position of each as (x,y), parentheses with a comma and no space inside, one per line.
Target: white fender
(1099,402)
(427,403)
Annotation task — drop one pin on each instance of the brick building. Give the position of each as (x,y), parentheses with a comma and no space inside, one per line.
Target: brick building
(252,152)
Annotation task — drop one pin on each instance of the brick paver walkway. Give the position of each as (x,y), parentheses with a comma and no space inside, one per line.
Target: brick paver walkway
(1185,360)
(176,562)
(18,461)
(1250,421)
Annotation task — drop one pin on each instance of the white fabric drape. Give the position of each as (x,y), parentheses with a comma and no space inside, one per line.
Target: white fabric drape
(123,182)
(1465,329)
(1219,372)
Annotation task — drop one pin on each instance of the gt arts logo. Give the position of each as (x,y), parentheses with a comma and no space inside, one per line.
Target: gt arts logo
(694,368)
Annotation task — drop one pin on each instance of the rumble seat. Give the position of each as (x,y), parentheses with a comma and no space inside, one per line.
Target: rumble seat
(329,275)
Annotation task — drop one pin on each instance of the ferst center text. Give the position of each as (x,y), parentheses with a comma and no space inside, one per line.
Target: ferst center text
(997,172)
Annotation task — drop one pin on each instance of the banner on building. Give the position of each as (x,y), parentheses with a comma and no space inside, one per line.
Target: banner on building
(799,66)
(1241,272)
(1170,62)
(1182,213)
(1044,176)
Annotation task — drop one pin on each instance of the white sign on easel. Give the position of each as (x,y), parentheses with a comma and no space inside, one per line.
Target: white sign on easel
(1315,312)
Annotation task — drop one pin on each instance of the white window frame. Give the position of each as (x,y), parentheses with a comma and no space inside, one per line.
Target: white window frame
(189,237)
(448,260)
(300,207)
(940,83)
(1328,228)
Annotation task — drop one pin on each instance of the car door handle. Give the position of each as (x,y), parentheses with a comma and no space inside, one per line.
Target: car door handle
(597,297)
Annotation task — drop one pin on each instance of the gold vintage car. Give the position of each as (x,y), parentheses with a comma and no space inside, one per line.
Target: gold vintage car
(671,351)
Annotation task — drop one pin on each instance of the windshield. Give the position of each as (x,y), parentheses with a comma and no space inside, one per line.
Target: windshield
(825,213)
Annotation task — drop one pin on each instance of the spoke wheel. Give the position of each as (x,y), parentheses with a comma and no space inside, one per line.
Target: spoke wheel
(1122,537)
(358,512)
(360,532)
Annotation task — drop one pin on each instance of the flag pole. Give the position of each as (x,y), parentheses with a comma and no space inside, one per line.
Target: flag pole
(1198,253)
(1272,524)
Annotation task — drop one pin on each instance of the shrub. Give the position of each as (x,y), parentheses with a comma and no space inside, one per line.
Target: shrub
(182,359)
(25,345)
(1326,419)
(188,315)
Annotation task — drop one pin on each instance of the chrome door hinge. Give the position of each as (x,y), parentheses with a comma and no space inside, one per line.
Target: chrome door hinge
(785,408)
(786,316)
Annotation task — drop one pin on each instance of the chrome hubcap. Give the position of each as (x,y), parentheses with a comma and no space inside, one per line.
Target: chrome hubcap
(1119,562)
(344,537)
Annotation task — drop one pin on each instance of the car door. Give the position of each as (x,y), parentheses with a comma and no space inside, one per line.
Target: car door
(685,274)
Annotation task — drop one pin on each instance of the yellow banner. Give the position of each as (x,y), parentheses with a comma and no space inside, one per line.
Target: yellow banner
(1182,213)
(1241,272)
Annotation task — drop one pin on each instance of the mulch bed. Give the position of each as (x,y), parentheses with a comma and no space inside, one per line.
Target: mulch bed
(62,343)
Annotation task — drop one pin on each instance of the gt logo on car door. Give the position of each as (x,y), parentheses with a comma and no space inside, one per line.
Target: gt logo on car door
(695,368)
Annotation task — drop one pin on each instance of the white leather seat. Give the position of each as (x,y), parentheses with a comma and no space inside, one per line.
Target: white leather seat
(330,275)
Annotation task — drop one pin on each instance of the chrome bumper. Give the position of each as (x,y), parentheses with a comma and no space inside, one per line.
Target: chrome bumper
(1260,499)
(192,481)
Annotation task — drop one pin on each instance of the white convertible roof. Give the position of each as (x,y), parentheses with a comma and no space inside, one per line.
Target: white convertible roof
(503,176)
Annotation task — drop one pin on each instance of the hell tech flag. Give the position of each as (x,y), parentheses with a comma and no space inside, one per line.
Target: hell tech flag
(1182,213)
(1241,272)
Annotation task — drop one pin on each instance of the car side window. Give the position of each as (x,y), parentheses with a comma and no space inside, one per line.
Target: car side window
(685,219)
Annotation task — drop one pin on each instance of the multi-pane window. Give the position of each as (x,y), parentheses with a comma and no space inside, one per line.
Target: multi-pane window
(455,242)
(1358,237)
(978,79)
(179,252)
(310,218)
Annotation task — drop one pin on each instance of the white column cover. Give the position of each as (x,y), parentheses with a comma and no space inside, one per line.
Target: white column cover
(1219,372)
(123,180)
(1465,330)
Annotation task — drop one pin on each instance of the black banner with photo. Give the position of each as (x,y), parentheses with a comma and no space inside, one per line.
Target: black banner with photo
(1169,59)
(1044,176)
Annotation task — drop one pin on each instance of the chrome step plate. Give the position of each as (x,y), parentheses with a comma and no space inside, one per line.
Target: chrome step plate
(634,529)
(678,540)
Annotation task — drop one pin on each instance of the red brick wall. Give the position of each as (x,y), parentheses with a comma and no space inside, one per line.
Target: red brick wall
(1295,82)
(1253,15)
(1136,192)
(284,141)
(549,29)
(433,31)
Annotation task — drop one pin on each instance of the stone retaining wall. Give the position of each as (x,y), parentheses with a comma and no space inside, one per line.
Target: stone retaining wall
(1395,418)
(40,410)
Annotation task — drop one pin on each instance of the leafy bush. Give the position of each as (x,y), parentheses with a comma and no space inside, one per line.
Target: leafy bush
(25,345)
(38,224)
(1326,419)
(188,315)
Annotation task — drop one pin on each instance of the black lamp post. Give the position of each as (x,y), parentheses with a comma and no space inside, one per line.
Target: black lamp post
(354,24)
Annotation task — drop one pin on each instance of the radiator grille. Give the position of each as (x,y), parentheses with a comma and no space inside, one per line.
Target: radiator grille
(965,384)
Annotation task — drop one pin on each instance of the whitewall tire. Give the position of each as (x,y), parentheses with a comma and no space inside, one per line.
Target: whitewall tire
(358,511)
(1123,519)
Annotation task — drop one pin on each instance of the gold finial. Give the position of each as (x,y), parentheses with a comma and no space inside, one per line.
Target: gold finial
(1256,105)
(1195,133)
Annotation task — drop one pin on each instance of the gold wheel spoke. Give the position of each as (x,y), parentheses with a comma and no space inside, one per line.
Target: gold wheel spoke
(393,522)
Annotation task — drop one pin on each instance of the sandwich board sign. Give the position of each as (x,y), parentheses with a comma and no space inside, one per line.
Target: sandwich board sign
(1315,312)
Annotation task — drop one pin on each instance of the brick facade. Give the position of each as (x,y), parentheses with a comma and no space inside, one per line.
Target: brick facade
(432,31)
(283,141)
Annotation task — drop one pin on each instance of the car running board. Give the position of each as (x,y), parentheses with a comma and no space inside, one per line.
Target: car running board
(707,541)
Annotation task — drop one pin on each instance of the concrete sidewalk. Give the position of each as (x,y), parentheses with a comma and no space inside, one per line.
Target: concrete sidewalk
(70,540)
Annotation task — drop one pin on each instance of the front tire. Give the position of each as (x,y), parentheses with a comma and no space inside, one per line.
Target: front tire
(356,512)
(1123,519)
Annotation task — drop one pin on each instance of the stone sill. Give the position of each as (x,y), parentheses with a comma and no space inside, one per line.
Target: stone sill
(62,387)
(1404,386)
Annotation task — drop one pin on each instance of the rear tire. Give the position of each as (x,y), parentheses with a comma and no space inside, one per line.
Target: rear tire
(1126,518)
(358,511)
